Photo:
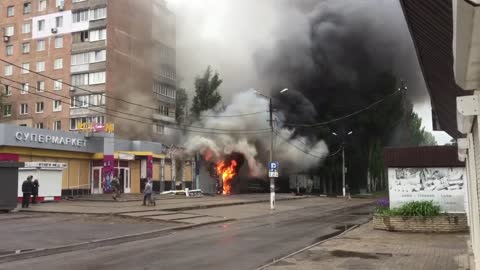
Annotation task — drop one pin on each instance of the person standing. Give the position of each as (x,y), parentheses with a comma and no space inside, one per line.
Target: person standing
(27,187)
(147,192)
(35,187)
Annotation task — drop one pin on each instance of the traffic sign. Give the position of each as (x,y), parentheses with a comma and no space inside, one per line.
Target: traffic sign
(273,169)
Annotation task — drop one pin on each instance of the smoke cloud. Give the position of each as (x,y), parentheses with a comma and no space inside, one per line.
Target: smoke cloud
(295,151)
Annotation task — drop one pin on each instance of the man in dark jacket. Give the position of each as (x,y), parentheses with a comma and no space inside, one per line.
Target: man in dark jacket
(27,188)
(35,186)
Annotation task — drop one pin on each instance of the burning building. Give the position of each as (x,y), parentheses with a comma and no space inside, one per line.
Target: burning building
(229,160)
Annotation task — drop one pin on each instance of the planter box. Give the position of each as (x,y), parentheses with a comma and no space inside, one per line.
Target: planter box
(442,223)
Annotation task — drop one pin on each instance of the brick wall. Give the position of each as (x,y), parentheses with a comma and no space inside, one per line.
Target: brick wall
(443,223)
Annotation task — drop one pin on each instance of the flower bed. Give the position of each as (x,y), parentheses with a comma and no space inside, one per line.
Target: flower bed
(441,223)
(417,217)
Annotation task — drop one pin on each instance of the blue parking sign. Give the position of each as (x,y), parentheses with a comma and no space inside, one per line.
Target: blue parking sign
(273,169)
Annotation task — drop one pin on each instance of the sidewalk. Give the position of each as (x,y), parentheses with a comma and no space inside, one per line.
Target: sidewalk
(166,203)
(365,248)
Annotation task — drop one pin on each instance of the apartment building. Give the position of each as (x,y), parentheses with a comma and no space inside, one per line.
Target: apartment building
(96,59)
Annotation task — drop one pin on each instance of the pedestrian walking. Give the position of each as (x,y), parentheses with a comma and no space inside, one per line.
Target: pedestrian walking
(347,191)
(147,192)
(116,188)
(27,187)
(35,186)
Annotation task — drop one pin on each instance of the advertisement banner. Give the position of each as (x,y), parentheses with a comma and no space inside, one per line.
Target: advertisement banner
(443,186)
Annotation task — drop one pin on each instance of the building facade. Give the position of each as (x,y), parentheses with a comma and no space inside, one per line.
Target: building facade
(87,159)
(69,62)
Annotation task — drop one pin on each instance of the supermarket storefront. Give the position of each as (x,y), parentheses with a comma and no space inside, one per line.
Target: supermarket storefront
(90,162)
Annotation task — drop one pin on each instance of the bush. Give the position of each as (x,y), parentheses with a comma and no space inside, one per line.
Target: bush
(415,208)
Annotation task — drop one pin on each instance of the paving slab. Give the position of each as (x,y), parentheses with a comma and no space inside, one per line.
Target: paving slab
(147,213)
(366,248)
(173,216)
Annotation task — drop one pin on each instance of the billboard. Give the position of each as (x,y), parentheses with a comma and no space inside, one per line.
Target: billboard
(443,186)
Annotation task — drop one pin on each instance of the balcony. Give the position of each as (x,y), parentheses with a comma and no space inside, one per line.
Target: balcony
(88,46)
(80,112)
(164,118)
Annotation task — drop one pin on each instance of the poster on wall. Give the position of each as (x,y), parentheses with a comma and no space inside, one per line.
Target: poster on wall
(443,186)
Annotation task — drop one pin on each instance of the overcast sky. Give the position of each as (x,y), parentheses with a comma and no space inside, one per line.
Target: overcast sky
(227,33)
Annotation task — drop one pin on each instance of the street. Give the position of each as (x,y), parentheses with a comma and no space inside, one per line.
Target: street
(245,244)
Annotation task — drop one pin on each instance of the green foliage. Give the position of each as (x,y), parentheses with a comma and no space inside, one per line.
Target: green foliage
(181,103)
(418,135)
(206,92)
(415,208)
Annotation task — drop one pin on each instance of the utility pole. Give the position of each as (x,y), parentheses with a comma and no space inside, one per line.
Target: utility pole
(272,180)
(343,170)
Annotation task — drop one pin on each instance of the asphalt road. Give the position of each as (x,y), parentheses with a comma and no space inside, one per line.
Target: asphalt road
(245,244)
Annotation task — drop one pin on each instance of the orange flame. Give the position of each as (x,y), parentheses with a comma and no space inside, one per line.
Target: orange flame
(226,172)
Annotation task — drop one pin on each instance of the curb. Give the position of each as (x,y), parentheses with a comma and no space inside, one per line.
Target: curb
(169,209)
(101,242)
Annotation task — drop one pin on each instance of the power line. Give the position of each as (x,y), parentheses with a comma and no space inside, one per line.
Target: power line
(134,115)
(234,115)
(185,128)
(114,98)
(302,150)
(345,116)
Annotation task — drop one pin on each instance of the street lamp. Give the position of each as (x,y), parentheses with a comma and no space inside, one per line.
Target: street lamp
(343,160)
(272,180)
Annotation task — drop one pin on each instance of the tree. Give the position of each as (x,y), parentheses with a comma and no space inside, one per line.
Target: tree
(180,104)
(417,134)
(206,92)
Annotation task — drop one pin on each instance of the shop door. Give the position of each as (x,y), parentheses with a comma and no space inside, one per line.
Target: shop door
(127,182)
(97,181)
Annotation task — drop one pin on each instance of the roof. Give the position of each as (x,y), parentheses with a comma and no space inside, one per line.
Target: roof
(431,26)
(422,156)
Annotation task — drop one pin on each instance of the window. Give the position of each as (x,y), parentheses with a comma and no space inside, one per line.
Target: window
(163,110)
(80,79)
(80,37)
(58,42)
(78,1)
(79,101)
(39,125)
(10,11)
(9,31)
(25,68)
(40,86)
(42,5)
(23,108)
(98,56)
(7,110)
(58,63)
(26,47)
(41,66)
(59,3)
(26,28)
(9,50)
(39,107)
(57,85)
(40,45)
(97,100)
(97,78)
(8,91)
(57,105)
(99,34)
(80,16)
(160,129)
(89,57)
(75,122)
(27,7)
(57,125)
(41,25)
(99,13)
(59,21)
(8,70)
(25,87)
